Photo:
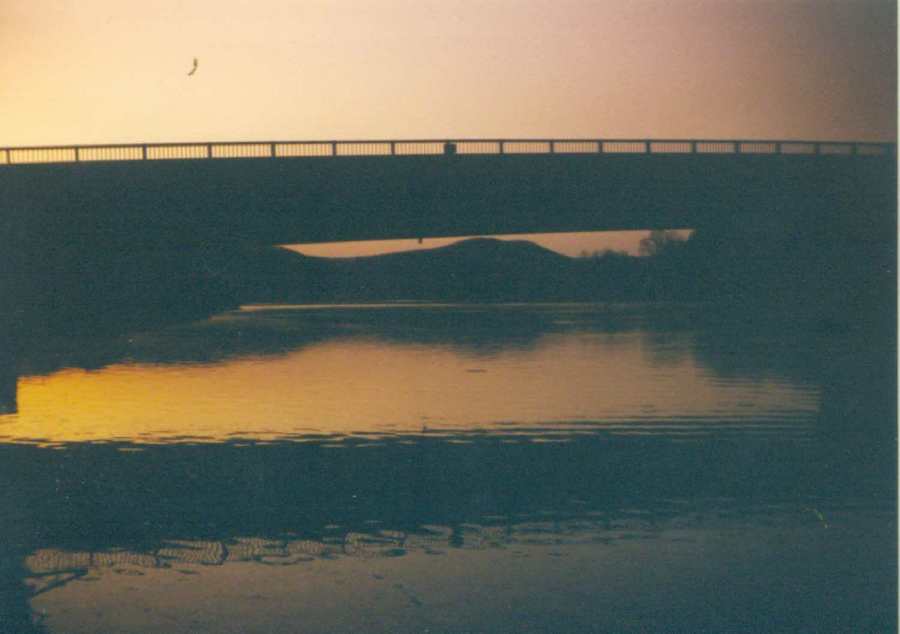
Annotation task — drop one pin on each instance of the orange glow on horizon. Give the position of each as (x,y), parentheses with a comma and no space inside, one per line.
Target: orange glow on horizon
(571,244)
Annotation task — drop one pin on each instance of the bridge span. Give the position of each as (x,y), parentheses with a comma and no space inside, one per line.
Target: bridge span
(315,191)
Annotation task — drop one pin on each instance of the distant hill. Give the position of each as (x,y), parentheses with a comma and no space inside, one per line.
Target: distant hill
(478,269)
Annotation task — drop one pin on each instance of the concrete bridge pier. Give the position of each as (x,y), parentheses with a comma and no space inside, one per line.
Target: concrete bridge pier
(13,275)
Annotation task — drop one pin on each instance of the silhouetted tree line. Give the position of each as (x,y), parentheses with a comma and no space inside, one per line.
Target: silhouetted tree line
(811,268)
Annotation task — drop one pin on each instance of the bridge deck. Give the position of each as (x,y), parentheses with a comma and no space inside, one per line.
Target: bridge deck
(106,197)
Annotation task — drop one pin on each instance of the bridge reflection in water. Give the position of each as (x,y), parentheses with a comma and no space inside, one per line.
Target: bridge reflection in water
(608,530)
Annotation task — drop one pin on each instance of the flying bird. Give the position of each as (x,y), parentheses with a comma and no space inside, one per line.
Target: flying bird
(194,69)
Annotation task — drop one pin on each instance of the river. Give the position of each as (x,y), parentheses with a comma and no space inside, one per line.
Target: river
(413,467)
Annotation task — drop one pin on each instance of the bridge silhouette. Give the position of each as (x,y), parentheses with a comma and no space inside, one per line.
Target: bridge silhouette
(88,227)
(271,192)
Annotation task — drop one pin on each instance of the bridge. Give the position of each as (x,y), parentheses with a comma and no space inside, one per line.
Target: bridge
(270,192)
(85,228)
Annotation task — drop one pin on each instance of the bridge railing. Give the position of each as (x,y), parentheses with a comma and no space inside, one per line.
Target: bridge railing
(423,147)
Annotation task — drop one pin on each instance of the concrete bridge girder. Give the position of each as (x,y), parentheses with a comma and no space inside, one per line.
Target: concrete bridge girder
(285,200)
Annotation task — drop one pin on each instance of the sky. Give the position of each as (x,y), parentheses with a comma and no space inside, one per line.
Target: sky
(113,71)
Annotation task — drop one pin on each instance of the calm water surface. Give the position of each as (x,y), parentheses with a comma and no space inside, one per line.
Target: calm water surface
(450,468)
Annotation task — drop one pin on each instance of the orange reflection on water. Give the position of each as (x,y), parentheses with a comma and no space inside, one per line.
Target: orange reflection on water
(366,385)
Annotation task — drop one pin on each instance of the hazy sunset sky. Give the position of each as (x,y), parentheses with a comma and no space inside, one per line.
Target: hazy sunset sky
(105,71)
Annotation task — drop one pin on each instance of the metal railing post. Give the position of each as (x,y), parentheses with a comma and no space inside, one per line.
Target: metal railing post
(144,152)
(334,148)
(77,154)
(500,145)
(552,147)
(693,147)
(599,146)
(272,152)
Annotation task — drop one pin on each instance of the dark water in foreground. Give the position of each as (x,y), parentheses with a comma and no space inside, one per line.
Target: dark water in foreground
(451,468)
